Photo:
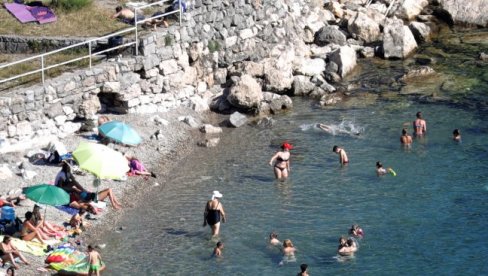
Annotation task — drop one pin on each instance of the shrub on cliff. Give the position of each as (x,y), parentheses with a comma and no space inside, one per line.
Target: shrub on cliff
(71,5)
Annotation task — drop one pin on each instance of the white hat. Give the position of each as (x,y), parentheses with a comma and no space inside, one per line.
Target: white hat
(216,194)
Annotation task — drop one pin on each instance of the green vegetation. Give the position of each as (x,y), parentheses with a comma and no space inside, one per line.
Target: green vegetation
(213,46)
(71,5)
(168,40)
(92,20)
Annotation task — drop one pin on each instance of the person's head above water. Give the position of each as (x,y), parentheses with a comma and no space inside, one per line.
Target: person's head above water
(273,235)
(220,244)
(303,267)
(379,165)
(419,115)
(216,194)
(287,243)
(404,131)
(456,132)
(335,149)
(286,146)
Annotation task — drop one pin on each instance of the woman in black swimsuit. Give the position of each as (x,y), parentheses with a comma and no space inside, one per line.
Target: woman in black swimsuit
(214,212)
(282,165)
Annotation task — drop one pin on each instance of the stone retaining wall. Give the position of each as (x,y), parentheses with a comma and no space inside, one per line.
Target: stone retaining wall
(12,44)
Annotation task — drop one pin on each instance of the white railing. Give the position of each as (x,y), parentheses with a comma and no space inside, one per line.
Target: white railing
(91,54)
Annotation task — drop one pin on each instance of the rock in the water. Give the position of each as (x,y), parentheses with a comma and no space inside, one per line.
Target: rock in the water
(331,99)
(330,35)
(463,11)
(483,56)
(210,129)
(420,31)
(209,143)
(266,122)
(273,103)
(367,52)
(422,71)
(302,85)
(246,93)
(364,28)
(237,119)
(345,58)
(398,40)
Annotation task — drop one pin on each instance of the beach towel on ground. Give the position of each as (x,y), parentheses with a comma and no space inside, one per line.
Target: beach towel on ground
(32,247)
(20,12)
(43,15)
(67,209)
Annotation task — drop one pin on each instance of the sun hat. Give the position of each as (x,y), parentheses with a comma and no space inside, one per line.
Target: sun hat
(216,194)
(287,146)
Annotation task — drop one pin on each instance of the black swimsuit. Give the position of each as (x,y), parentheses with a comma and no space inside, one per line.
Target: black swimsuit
(213,216)
(279,160)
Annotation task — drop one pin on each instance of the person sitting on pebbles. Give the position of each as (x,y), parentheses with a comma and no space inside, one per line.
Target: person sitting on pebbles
(136,167)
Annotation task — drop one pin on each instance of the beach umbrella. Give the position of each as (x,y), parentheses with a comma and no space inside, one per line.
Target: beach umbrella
(100,160)
(120,132)
(47,194)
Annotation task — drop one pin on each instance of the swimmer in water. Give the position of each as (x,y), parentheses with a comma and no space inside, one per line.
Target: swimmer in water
(379,169)
(273,239)
(419,125)
(456,135)
(356,231)
(330,130)
(282,165)
(288,248)
(346,247)
(406,139)
(217,252)
(342,155)
(304,270)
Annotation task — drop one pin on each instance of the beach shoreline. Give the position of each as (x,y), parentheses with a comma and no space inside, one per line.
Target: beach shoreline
(158,155)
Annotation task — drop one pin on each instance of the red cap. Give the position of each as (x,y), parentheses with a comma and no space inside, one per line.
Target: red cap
(287,146)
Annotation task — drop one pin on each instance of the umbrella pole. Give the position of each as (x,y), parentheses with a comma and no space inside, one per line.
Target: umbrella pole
(44,220)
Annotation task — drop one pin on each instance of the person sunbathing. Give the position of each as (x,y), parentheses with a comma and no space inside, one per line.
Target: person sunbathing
(83,200)
(29,231)
(136,167)
(8,252)
(11,200)
(48,228)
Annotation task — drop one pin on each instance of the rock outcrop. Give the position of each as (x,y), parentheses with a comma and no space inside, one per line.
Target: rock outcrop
(246,93)
(398,40)
(469,12)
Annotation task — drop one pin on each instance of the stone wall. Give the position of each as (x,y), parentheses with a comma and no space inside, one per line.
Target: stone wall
(12,44)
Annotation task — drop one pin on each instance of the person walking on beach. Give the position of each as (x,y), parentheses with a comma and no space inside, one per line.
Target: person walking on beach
(343,159)
(419,125)
(304,270)
(281,161)
(94,260)
(218,249)
(214,212)
(406,139)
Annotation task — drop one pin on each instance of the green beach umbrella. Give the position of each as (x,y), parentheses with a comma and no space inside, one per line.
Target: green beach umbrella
(120,132)
(100,160)
(47,194)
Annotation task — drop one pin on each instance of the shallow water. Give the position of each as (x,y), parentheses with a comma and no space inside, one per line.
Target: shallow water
(429,219)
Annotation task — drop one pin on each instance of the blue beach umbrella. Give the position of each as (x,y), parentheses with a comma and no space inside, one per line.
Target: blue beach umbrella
(120,132)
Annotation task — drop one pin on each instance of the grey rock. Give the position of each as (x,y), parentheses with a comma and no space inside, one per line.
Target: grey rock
(483,56)
(408,9)
(209,143)
(189,120)
(331,99)
(310,67)
(420,31)
(5,172)
(246,93)
(415,73)
(266,122)
(302,85)
(364,28)
(330,35)
(345,58)
(237,119)
(54,110)
(210,129)
(398,40)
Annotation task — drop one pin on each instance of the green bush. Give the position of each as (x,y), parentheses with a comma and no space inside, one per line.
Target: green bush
(213,46)
(71,5)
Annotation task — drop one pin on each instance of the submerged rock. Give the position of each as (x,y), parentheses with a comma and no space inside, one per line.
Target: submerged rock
(237,119)
(417,72)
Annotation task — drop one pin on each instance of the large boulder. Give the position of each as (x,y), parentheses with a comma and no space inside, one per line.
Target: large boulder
(278,80)
(464,11)
(246,93)
(302,85)
(364,28)
(237,119)
(309,67)
(330,35)
(420,31)
(345,58)
(408,9)
(398,40)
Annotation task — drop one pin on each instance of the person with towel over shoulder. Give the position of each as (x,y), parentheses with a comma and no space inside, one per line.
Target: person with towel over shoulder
(214,212)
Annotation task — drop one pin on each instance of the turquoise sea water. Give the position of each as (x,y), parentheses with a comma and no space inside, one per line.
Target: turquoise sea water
(431,219)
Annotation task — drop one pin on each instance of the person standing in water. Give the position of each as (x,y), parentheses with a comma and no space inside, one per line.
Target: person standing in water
(214,212)
(406,139)
(282,164)
(456,135)
(343,159)
(419,125)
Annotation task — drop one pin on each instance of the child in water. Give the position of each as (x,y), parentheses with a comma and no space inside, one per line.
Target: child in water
(273,239)
(456,135)
(95,261)
(356,231)
(218,249)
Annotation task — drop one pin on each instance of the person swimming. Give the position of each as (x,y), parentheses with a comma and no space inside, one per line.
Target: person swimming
(333,129)
(379,169)
(288,252)
(356,231)
(273,239)
(347,247)
(406,139)
(456,135)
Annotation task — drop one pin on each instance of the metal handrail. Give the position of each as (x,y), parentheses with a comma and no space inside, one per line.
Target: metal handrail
(89,44)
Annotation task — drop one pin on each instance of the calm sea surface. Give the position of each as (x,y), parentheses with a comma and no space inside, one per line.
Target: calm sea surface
(431,219)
